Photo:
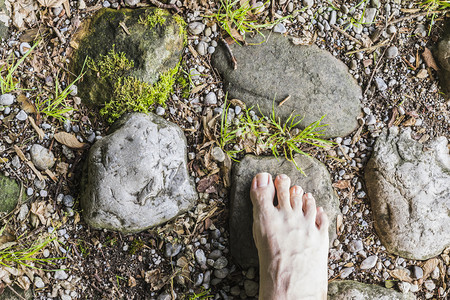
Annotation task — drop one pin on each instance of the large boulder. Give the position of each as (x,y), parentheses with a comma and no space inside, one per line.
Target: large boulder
(443,57)
(269,72)
(136,177)
(317,182)
(5,12)
(347,289)
(9,194)
(409,190)
(150,38)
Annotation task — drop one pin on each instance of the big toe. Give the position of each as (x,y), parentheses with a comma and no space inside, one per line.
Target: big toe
(262,191)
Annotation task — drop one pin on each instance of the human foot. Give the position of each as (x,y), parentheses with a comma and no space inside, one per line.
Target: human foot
(291,238)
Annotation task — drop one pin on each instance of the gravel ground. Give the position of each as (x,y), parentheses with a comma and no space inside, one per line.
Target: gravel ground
(190,254)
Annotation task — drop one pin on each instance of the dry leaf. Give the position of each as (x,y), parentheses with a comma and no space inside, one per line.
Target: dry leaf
(69,140)
(342,184)
(237,102)
(429,59)
(23,282)
(51,3)
(339,222)
(20,153)
(226,171)
(410,122)
(29,35)
(155,279)
(26,105)
(131,282)
(401,274)
(429,266)
(39,131)
(39,209)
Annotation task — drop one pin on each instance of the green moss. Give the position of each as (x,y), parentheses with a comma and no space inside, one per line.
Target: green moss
(111,65)
(184,85)
(133,95)
(136,246)
(158,17)
(182,25)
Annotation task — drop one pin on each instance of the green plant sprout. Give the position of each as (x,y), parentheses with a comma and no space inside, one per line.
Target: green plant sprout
(9,83)
(55,106)
(233,15)
(11,255)
(201,296)
(354,22)
(282,138)
(432,5)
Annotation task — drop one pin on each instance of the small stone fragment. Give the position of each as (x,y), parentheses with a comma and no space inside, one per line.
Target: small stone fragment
(42,158)
(6,99)
(22,115)
(369,262)
(38,282)
(200,257)
(220,263)
(251,288)
(196,27)
(392,52)
(218,154)
(202,48)
(418,272)
(172,249)
(61,275)
(381,85)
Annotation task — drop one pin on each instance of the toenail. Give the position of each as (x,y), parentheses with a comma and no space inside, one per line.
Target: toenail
(297,190)
(309,195)
(282,176)
(262,179)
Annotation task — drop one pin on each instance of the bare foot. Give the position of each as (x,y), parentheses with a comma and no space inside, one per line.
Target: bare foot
(291,238)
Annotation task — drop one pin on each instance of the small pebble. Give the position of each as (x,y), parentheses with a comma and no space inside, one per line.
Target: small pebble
(22,115)
(68,201)
(61,275)
(202,48)
(220,263)
(218,154)
(279,28)
(392,52)
(172,249)
(369,262)
(200,257)
(196,27)
(24,47)
(346,272)
(211,99)
(7,99)
(106,4)
(160,111)
(38,282)
(381,84)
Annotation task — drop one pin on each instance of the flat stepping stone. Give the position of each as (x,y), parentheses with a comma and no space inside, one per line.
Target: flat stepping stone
(317,82)
(317,182)
(347,289)
(154,49)
(9,195)
(136,177)
(409,189)
(5,14)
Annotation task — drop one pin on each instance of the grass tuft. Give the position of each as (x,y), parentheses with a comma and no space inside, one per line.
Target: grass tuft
(158,17)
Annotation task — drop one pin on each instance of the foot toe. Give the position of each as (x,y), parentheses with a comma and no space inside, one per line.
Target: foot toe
(262,191)
(296,197)
(282,184)
(309,207)
(322,221)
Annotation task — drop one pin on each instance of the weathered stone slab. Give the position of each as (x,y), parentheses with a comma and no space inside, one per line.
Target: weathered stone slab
(5,12)
(137,177)
(443,57)
(9,194)
(317,82)
(317,182)
(347,289)
(409,190)
(153,49)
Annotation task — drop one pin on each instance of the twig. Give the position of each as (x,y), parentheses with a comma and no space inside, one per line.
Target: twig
(124,27)
(376,66)
(60,36)
(408,63)
(233,58)
(346,34)
(382,44)
(284,100)
(419,15)
(166,6)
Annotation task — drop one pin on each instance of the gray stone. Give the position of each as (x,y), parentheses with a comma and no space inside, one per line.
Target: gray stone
(443,58)
(7,99)
(38,282)
(346,272)
(202,48)
(317,82)
(345,289)
(308,3)
(221,273)
(24,47)
(355,246)
(136,177)
(5,14)
(369,262)
(22,115)
(42,158)
(404,287)
(200,257)
(132,2)
(9,195)
(154,50)
(220,263)
(317,182)
(218,154)
(381,84)
(61,275)
(211,99)
(279,28)
(429,285)
(392,52)
(369,16)
(418,272)
(196,27)
(23,212)
(410,195)
(68,201)
(172,249)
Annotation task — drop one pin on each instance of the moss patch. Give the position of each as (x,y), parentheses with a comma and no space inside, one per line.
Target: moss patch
(9,195)
(157,17)
(130,94)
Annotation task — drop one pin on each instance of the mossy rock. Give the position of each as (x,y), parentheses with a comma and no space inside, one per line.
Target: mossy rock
(9,195)
(150,38)
(10,295)
(4,19)
(347,289)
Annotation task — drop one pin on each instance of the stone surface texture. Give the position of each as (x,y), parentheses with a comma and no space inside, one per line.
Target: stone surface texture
(268,72)
(317,182)
(5,13)
(153,50)
(19,294)
(346,289)
(409,190)
(42,158)
(443,57)
(9,194)
(136,177)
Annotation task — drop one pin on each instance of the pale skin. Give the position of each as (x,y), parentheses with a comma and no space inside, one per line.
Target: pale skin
(291,238)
